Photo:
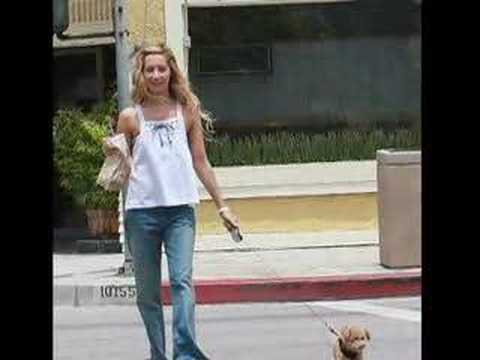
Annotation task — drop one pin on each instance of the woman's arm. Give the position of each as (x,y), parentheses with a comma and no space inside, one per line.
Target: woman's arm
(204,170)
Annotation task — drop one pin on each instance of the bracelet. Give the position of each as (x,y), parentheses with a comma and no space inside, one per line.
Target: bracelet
(222,210)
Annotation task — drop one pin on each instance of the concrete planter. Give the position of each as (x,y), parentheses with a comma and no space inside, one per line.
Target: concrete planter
(307,197)
(399,208)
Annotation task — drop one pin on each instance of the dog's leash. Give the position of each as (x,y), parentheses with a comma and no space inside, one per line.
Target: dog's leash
(328,326)
(332,330)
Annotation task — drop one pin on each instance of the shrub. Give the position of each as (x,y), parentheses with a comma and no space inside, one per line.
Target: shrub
(78,154)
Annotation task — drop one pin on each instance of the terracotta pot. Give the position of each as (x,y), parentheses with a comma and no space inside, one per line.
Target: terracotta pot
(103,223)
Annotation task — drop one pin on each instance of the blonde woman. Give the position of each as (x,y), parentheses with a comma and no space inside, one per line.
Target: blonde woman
(168,150)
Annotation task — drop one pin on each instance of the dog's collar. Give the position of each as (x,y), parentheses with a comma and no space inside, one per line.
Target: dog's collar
(348,353)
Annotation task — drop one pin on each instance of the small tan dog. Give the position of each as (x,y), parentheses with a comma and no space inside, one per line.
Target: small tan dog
(351,341)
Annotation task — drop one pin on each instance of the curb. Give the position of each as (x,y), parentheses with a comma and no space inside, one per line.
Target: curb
(310,288)
(340,287)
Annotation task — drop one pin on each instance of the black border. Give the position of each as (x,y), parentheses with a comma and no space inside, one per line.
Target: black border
(427,144)
(26,145)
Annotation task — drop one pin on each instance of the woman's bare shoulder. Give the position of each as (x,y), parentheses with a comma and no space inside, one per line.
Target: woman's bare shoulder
(128,112)
(127,121)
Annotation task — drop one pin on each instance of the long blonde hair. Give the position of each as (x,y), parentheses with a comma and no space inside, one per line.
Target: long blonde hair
(179,86)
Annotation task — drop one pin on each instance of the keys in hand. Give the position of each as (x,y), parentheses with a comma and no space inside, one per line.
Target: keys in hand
(236,235)
(231,222)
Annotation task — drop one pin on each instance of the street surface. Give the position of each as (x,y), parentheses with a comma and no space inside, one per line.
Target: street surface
(255,331)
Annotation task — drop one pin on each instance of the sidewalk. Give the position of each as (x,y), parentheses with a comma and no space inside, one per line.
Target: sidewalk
(264,267)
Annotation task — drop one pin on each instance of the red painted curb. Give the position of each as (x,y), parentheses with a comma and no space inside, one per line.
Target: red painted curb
(304,289)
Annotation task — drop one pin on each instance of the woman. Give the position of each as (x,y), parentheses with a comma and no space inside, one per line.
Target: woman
(168,149)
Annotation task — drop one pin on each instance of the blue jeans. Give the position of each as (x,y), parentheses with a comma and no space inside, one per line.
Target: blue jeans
(174,227)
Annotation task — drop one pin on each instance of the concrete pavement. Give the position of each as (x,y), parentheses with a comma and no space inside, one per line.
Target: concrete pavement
(264,267)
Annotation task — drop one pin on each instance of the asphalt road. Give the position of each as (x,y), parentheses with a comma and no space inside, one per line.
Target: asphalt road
(245,331)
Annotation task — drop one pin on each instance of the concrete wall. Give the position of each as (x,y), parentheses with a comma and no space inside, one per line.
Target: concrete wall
(313,82)
(153,25)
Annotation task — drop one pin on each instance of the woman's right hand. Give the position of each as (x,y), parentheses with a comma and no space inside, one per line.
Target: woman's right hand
(108,148)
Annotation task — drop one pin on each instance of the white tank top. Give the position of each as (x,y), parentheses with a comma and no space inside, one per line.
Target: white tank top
(162,168)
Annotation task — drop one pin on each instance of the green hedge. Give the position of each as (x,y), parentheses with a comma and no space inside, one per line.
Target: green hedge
(286,147)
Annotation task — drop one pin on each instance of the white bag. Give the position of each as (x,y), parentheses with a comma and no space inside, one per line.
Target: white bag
(117,165)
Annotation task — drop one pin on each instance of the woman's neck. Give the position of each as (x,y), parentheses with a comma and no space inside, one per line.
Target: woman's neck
(158,101)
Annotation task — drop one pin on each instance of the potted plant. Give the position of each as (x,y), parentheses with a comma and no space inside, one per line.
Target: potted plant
(102,213)
(78,157)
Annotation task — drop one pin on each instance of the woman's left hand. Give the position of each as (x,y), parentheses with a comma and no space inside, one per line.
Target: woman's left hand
(230,220)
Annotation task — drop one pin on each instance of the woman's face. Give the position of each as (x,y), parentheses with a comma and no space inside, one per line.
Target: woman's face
(157,74)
